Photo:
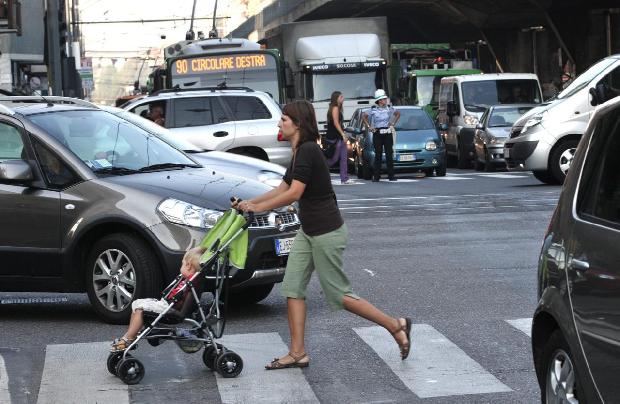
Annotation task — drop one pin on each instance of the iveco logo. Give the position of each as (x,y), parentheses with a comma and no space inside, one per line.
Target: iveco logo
(276,221)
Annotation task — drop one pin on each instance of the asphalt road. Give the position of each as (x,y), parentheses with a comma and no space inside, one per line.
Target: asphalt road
(456,254)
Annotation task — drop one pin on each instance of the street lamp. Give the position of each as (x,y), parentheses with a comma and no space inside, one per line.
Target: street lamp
(534,30)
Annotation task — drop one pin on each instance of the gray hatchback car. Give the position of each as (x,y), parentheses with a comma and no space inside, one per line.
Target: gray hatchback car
(576,326)
(90,202)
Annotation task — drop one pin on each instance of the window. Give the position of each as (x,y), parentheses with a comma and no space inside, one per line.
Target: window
(11,144)
(56,173)
(219,113)
(247,108)
(610,84)
(154,111)
(192,112)
(599,195)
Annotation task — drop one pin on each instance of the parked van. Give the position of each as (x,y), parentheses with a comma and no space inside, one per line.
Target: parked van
(544,140)
(463,100)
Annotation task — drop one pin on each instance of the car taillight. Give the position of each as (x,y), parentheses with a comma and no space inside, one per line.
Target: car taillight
(280,138)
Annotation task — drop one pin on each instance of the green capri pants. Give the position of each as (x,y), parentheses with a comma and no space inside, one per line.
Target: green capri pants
(323,253)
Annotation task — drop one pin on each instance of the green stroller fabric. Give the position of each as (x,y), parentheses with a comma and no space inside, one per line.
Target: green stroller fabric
(224,230)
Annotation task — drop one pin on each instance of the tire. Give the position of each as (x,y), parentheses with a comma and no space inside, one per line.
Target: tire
(113,359)
(140,279)
(561,159)
(366,172)
(478,165)
(130,371)
(358,168)
(488,166)
(544,177)
(557,359)
(209,356)
(462,159)
(440,171)
(251,294)
(229,364)
(429,172)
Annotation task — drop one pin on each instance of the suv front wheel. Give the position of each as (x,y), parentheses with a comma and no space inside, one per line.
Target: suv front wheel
(561,382)
(120,268)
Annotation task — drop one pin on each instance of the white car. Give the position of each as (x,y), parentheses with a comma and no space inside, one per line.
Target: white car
(237,120)
(268,173)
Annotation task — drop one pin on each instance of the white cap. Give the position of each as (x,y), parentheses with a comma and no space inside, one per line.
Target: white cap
(380,95)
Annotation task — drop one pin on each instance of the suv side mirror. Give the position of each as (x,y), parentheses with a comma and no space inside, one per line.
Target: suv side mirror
(480,126)
(15,171)
(451,108)
(596,95)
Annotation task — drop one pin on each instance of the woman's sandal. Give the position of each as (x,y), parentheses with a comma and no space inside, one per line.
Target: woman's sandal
(276,364)
(404,348)
(121,344)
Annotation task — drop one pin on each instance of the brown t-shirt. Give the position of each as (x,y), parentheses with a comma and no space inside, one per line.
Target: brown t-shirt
(318,209)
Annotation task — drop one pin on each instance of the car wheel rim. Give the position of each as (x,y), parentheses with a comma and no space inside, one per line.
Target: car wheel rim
(566,158)
(114,280)
(561,381)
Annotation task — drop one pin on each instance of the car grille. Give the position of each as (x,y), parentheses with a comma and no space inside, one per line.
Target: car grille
(516,131)
(263,221)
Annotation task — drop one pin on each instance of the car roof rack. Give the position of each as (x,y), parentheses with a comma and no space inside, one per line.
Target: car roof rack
(37,99)
(176,89)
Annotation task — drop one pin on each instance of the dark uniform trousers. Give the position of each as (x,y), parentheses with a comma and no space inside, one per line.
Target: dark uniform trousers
(383,141)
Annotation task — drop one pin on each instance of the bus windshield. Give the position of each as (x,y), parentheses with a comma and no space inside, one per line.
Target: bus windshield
(258,71)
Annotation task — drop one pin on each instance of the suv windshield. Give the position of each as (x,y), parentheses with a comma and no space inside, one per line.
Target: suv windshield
(478,95)
(586,77)
(109,144)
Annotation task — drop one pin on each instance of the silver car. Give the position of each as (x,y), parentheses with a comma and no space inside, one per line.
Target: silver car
(492,132)
(242,121)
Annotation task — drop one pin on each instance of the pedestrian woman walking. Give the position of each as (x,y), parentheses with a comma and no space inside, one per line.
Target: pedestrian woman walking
(335,134)
(320,243)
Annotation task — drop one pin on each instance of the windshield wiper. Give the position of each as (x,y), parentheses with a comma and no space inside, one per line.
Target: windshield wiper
(164,166)
(115,170)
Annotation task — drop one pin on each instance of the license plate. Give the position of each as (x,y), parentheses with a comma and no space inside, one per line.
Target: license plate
(506,153)
(406,157)
(283,245)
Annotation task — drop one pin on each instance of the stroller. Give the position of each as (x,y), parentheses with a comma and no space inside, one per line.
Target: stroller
(199,321)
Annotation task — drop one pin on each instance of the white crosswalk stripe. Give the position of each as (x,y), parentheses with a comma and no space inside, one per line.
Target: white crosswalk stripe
(522,324)
(255,384)
(437,367)
(5,395)
(75,373)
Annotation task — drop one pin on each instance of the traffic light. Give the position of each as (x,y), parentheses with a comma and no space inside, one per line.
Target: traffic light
(62,32)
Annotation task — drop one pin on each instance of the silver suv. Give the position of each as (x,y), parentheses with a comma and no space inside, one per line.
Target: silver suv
(237,120)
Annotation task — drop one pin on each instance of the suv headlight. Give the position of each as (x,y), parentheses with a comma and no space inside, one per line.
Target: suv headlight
(187,214)
(470,120)
(431,145)
(533,121)
(270,178)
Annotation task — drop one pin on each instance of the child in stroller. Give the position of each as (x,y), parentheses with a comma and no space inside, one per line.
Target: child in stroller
(181,315)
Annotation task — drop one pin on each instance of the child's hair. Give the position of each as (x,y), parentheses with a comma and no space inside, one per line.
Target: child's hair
(193,256)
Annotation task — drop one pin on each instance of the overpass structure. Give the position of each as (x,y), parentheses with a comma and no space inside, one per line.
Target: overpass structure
(552,38)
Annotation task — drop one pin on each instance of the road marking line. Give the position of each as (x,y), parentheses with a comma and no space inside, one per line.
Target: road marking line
(5,395)
(76,373)
(255,384)
(522,324)
(436,367)
(451,178)
(369,271)
(502,176)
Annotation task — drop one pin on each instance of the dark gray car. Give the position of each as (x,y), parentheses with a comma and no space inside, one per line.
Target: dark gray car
(576,327)
(491,133)
(90,202)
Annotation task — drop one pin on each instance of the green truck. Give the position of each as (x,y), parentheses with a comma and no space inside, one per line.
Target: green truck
(421,87)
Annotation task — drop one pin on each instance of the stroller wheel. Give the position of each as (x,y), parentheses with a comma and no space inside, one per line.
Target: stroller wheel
(130,371)
(229,364)
(209,356)
(113,359)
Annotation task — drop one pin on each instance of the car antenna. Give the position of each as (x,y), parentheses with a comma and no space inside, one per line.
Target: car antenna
(49,103)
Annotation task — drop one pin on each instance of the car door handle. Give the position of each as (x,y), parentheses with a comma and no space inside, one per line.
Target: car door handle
(580,265)
(220,134)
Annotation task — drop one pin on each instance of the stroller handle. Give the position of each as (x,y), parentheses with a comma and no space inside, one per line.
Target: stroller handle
(250,217)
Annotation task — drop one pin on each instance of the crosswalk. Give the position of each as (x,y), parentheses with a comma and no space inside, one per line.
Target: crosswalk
(437,367)
(416,177)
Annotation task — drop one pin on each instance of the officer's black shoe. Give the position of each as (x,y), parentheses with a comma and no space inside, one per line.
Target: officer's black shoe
(393,179)
(375,179)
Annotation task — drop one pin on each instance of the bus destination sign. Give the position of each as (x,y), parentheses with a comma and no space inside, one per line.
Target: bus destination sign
(223,63)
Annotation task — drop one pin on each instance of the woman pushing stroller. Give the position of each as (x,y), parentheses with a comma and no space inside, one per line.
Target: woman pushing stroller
(320,243)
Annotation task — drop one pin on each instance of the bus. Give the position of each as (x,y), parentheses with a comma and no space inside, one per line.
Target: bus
(221,62)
